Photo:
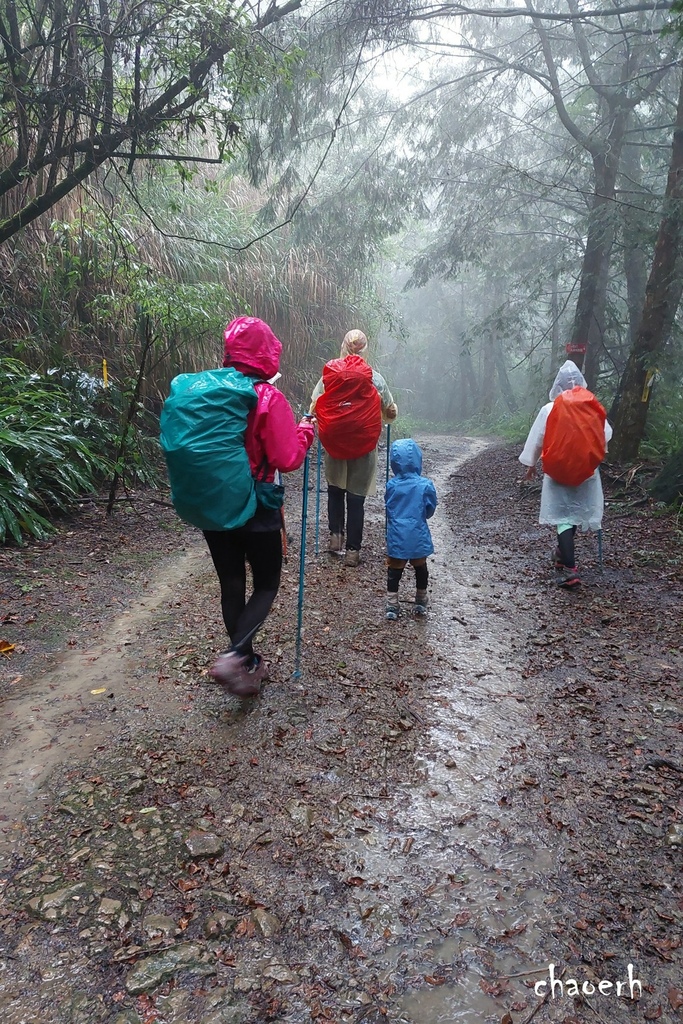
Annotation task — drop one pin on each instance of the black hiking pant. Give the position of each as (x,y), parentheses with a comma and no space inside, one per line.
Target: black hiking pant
(231,550)
(565,545)
(339,502)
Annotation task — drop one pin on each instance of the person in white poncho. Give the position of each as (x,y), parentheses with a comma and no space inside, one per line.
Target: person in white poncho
(562,506)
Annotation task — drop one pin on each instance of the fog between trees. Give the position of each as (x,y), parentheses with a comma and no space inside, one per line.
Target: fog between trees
(477,187)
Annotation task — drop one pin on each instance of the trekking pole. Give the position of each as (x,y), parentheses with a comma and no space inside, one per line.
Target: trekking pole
(386,479)
(600,549)
(248,636)
(302,564)
(317,504)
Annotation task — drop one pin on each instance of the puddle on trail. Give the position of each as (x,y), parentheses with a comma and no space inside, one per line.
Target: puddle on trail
(57,718)
(466,870)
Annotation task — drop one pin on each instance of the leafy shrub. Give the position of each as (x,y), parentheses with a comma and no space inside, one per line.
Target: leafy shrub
(47,460)
(665,422)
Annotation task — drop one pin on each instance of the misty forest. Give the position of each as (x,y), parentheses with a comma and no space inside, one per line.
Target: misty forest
(473,813)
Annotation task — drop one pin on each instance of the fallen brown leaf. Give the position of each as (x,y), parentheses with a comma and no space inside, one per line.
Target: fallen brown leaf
(675,998)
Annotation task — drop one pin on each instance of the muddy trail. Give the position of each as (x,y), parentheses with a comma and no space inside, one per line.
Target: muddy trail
(413,831)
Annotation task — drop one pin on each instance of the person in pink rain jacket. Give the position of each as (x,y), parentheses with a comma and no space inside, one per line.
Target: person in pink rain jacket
(275,443)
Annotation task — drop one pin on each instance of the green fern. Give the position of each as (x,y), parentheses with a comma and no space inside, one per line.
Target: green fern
(45,467)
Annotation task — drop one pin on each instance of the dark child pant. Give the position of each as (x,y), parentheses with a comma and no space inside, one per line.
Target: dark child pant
(395,572)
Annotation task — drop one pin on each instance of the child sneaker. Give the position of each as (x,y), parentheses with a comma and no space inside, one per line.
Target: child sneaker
(421,604)
(392,610)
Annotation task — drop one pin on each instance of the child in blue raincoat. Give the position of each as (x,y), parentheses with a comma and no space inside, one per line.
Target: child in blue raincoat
(410,500)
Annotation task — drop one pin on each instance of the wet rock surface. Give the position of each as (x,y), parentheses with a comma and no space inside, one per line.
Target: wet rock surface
(412,831)
(150,971)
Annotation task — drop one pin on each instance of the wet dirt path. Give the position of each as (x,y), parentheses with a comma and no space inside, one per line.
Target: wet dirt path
(371,855)
(482,865)
(463,827)
(85,699)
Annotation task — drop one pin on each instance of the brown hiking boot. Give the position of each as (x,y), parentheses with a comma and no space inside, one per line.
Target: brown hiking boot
(250,683)
(238,676)
(228,668)
(336,543)
(351,558)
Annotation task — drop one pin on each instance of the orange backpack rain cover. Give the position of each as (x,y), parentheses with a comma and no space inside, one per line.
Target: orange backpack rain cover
(349,411)
(574,441)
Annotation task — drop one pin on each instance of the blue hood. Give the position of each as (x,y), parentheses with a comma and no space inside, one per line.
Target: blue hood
(406,457)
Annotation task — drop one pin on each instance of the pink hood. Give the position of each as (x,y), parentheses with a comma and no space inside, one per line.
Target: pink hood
(251,347)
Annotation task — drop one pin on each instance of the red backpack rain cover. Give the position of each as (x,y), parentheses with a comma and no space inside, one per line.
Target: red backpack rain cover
(574,441)
(349,411)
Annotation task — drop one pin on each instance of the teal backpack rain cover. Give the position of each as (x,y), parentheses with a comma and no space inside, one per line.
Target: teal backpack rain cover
(203,423)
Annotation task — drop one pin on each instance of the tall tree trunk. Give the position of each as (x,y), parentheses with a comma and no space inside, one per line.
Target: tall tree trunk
(489,345)
(588,328)
(635,274)
(467,380)
(488,372)
(131,413)
(596,334)
(635,267)
(468,377)
(463,392)
(455,396)
(503,379)
(463,404)
(555,329)
(604,147)
(662,296)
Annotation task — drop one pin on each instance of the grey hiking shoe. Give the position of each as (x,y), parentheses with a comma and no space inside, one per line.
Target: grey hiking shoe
(351,558)
(336,543)
(568,578)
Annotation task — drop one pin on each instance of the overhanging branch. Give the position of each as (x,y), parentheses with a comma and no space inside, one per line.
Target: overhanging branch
(176,157)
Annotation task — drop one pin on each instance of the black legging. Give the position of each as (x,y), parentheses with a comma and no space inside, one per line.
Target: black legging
(230,551)
(337,499)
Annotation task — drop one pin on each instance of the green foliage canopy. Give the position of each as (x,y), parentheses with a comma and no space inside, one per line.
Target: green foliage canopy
(82,85)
